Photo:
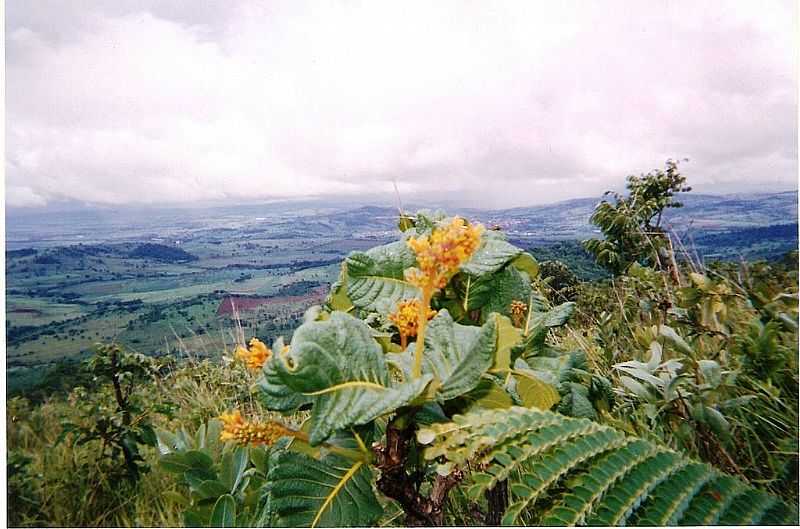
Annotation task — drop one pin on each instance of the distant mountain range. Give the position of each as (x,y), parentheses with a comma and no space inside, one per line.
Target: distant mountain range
(570,219)
(701,214)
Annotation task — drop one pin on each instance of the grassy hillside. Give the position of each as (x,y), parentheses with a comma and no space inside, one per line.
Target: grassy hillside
(693,364)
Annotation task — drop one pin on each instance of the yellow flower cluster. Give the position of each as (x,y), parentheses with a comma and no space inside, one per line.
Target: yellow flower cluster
(256,356)
(518,309)
(406,317)
(440,254)
(242,432)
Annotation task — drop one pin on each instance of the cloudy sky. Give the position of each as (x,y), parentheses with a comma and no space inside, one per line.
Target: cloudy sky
(488,103)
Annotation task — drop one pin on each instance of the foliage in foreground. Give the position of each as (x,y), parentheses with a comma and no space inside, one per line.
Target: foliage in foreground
(445,415)
(434,390)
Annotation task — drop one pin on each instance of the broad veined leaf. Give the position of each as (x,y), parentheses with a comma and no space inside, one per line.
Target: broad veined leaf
(491,256)
(275,394)
(534,392)
(332,492)
(555,317)
(210,488)
(377,275)
(711,371)
(636,388)
(496,292)
(455,355)
(554,369)
(338,364)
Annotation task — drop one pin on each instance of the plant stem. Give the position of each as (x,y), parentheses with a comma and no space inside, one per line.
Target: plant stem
(353,455)
(422,325)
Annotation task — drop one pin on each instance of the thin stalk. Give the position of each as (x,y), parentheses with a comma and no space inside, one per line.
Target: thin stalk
(422,325)
(353,455)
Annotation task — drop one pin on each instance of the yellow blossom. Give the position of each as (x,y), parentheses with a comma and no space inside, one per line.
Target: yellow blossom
(406,318)
(518,309)
(235,428)
(256,356)
(440,254)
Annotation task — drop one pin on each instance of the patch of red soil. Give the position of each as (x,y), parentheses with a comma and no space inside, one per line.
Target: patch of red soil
(242,303)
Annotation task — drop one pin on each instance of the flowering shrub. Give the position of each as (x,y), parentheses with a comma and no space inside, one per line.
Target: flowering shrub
(425,372)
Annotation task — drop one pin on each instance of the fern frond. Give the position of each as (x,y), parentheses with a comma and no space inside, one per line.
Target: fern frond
(748,508)
(530,485)
(591,485)
(711,502)
(671,498)
(780,514)
(515,451)
(626,496)
(469,435)
(612,479)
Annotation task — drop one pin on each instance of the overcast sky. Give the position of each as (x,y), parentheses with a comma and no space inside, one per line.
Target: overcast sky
(490,103)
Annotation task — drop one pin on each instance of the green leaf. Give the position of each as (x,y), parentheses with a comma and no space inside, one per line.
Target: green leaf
(194,519)
(210,488)
(224,513)
(575,401)
(233,466)
(375,277)
(539,323)
(168,442)
(588,473)
(274,393)
(526,263)
(507,337)
(213,430)
(180,462)
(711,371)
(259,457)
(338,363)
(675,339)
(487,395)
(458,355)
(333,492)
(455,355)
(338,298)
(496,292)
(491,256)
(535,393)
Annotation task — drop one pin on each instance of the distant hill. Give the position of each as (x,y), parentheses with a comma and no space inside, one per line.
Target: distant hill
(570,219)
(161,252)
(532,226)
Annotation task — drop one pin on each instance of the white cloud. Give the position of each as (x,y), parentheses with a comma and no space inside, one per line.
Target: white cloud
(503,103)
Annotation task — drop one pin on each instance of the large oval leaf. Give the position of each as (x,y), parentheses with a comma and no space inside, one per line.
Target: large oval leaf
(496,292)
(491,256)
(274,393)
(455,355)
(536,393)
(333,492)
(375,278)
(340,366)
